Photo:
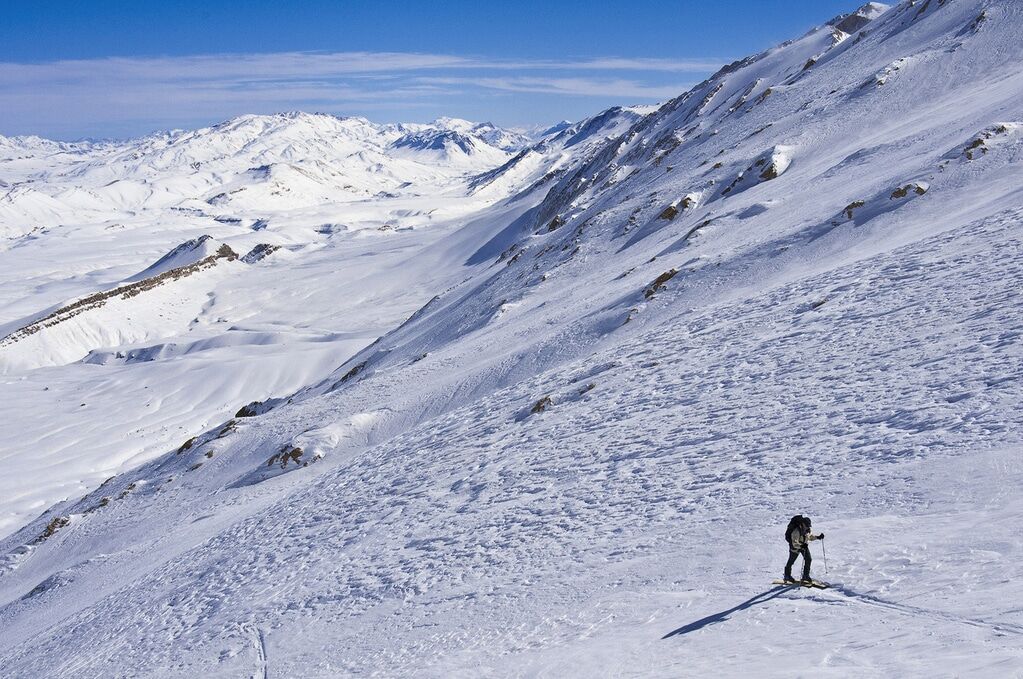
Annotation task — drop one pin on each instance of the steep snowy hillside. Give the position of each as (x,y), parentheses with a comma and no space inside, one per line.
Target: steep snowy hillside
(167,319)
(641,344)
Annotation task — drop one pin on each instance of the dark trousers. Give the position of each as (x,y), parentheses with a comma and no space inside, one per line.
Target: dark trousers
(805,551)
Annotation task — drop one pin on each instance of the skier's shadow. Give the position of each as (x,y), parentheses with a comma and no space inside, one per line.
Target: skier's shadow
(723,615)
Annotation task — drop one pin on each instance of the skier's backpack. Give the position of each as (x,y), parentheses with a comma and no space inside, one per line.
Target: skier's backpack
(794,524)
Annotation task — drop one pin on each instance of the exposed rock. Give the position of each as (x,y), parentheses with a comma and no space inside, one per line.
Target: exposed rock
(287,454)
(763,95)
(659,282)
(129,488)
(124,292)
(542,405)
(55,524)
(354,372)
(848,209)
(227,429)
(669,213)
(919,188)
(259,252)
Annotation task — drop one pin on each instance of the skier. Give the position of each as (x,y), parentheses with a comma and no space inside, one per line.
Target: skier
(798,536)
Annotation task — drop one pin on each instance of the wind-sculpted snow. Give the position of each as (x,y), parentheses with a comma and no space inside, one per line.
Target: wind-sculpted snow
(646,496)
(549,416)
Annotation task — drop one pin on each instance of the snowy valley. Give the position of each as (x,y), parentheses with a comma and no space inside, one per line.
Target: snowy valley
(306,395)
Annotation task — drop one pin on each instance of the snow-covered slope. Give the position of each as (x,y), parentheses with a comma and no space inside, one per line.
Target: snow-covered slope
(171,342)
(641,344)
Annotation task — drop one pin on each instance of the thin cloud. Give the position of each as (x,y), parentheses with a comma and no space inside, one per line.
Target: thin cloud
(94,94)
(592,87)
(666,65)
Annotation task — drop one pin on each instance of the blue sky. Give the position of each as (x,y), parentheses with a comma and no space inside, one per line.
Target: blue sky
(96,68)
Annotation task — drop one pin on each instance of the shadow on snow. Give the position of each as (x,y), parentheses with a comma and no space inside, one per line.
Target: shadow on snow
(723,615)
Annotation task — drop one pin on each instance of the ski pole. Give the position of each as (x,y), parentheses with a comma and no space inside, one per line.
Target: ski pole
(825,553)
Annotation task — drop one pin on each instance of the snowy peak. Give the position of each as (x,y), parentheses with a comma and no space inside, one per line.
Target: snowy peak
(13,147)
(506,139)
(257,140)
(855,21)
(450,147)
(250,165)
(438,140)
(252,139)
(790,80)
(559,149)
(186,254)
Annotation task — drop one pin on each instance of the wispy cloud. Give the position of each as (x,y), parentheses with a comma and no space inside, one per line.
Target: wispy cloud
(116,93)
(669,65)
(629,90)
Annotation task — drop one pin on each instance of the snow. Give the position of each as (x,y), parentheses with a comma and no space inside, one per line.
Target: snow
(509,416)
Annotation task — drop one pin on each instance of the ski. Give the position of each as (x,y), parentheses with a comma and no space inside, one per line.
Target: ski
(818,584)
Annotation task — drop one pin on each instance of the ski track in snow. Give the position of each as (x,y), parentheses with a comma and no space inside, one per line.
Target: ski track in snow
(259,643)
(922,612)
